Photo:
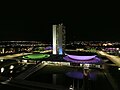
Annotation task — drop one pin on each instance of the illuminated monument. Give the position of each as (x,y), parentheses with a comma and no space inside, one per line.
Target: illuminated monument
(58,39)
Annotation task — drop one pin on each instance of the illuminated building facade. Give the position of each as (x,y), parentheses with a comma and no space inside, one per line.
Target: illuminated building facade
(58,39)
(83,59)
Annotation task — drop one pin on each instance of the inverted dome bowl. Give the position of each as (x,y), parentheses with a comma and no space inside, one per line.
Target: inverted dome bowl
(81,57)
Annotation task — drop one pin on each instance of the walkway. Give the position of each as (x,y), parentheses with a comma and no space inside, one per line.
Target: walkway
(114,59)
(30,71)
(13,56)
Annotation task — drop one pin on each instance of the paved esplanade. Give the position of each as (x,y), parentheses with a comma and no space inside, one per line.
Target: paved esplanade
(114,59)
(13,56)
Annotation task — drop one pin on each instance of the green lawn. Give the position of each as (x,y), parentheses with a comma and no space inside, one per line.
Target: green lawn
(36,56)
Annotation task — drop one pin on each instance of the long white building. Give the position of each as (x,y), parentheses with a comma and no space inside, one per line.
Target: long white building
(58,39)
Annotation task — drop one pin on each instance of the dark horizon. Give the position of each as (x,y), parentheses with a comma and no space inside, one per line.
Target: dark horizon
(78,28)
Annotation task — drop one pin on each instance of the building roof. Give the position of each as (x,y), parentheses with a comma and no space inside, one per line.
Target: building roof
(82,59)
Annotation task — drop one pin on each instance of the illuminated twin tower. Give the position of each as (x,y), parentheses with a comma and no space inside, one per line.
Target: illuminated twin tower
(58,39)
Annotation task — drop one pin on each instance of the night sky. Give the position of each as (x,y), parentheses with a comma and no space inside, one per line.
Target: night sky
(78,27)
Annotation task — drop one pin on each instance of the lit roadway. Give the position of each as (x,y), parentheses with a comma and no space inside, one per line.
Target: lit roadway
(114,59)
(13,56)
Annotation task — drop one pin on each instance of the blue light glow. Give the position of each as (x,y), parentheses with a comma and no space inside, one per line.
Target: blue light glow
(60,51)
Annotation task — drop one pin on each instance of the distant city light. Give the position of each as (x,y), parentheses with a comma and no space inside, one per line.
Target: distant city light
(11,67)
(117,48)
(11,71)
(119,68)
(1,60)
(2,70)
(104,44)
(81,65)
(25,61)
(119,51)
(109,43)
(71,87)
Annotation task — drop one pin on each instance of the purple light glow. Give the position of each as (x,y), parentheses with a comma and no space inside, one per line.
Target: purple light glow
(75,74)
(81,57)
(48,48)
(79,75)
(90,61)
(92,75)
